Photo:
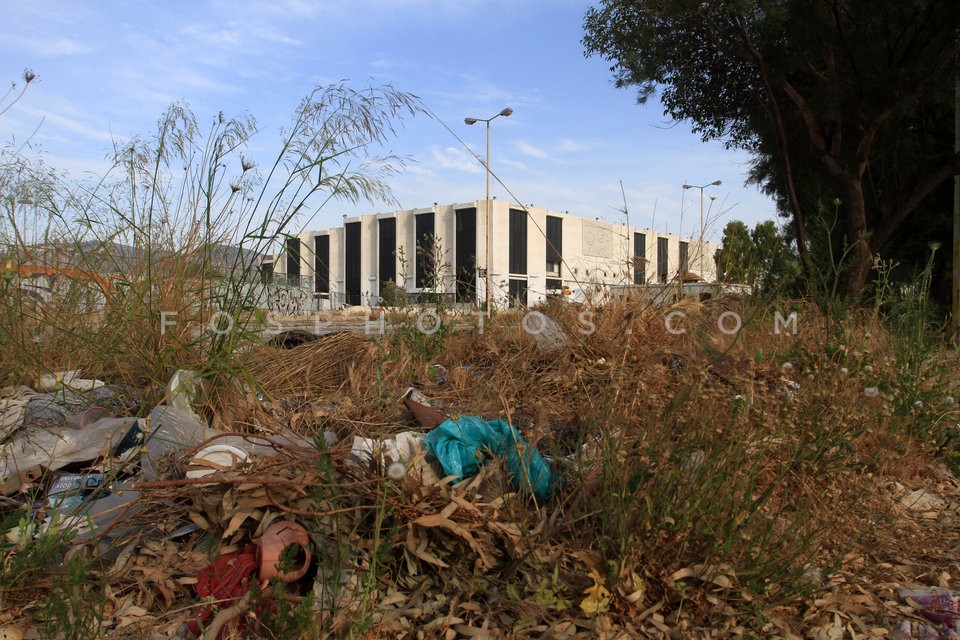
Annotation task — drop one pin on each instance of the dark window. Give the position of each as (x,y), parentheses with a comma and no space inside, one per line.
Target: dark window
(639,258)
(351,259)
(293,258)
(321,263)
(684,259)
(554,284)
(518,292)
(266,272)
(466,249)
(518,243)
(662,270)
(425,250)
(554,245)
(387,234)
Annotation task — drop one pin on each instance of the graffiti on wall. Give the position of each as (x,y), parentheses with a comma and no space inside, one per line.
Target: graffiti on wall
(46,287)
(289,301)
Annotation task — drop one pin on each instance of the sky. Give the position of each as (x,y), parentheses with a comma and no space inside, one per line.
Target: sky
(108,69)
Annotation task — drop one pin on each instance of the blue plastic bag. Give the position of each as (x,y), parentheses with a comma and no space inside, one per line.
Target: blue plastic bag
(461,446)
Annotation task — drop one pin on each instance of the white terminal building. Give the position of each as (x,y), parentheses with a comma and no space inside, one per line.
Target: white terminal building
(443,251)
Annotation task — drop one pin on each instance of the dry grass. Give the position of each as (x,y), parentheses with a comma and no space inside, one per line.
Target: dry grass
(707,495)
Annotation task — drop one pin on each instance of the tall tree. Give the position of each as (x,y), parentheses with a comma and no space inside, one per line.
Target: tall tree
(775,266)
(760,258)
(734,256)
(836,91)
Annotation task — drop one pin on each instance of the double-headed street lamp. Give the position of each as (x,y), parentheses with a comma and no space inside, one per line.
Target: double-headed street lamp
(715,183)
(506,112)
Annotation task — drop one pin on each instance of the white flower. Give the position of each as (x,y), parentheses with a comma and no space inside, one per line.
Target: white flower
(789,384)
(811,377)
(868,369)
(844,371)
(871,392)
(949,401)
(786,366)
(918,404)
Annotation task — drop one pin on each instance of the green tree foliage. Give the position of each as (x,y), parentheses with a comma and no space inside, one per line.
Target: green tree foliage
(836,98)
(735,257)
(777,268)
(761,257)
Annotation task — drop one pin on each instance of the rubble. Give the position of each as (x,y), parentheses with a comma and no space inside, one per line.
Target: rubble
(417,517)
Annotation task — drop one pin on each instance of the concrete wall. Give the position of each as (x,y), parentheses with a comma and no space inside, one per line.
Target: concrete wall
(596,255)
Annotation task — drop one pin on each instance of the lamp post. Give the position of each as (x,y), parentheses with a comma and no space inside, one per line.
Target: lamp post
(715,183)
(505,112)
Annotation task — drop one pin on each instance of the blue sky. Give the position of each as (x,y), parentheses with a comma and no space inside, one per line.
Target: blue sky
(108,69)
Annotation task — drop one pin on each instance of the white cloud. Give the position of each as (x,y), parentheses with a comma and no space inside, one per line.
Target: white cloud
(61,121)
(571,146)
(417,169)
(236,35)
(46,47)
(513,163)
(272,35)
(454,158)
(530,150)
(204,35)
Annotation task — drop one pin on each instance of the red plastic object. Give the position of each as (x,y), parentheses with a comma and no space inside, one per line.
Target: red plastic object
(226,580)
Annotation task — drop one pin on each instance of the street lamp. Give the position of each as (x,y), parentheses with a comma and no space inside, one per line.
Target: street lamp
(505,112)
(715,183)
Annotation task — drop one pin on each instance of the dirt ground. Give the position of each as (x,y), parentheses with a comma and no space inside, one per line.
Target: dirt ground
(402,552)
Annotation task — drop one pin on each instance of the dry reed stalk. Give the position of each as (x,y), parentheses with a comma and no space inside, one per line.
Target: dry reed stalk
(317,367)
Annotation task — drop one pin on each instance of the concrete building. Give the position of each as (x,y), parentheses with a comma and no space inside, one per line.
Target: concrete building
(442,251)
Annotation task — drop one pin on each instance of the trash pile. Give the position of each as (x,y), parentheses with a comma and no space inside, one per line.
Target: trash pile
(507,486)
(79,461)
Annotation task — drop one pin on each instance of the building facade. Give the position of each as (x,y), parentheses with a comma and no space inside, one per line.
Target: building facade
(420,254)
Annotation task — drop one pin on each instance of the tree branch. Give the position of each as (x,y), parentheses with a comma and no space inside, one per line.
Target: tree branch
(932,180)
(783,149)
(873,127)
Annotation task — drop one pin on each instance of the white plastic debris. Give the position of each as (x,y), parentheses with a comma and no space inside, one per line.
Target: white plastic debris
(12,407)
(183,390)
(215,457)
(395,456)
(66,380)
(36,448)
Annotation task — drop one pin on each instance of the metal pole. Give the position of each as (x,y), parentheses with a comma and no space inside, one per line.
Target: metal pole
(489,221)
(702,276)
(470,121)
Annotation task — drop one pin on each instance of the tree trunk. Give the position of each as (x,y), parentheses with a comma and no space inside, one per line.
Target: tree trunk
(855,268)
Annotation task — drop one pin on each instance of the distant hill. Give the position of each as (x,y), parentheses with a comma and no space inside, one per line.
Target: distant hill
(117,258)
